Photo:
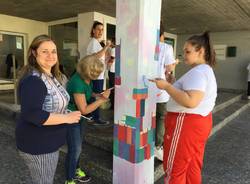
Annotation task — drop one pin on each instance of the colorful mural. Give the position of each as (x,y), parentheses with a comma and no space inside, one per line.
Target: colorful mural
(137,35)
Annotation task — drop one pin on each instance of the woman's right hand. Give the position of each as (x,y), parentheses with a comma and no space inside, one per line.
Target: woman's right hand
(73,117)
(108,43)
(160,83)
(106,93)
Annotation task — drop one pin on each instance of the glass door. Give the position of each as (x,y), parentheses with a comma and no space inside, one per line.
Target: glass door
(66,39)
(12,59)
(10,45)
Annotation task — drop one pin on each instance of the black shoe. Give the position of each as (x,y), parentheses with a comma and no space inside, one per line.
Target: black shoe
(101,122)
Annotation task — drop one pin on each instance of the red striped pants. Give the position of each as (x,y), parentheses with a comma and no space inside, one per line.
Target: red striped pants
(184,144)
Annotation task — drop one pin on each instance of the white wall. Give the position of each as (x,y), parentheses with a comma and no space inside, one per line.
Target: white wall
(230,73)
(26,27)
(85,21)
(20,25)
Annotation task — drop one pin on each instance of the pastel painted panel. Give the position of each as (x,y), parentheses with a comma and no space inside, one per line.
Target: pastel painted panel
(121,133)
(133,122)
(140,96)
(142,106)
(138,108)
(132,153)
(115,130)
(118,60)
(116,147)
(128,135)
(151,136)
(147,151)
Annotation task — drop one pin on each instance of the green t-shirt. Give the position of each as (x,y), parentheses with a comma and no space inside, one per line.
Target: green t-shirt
(77,85)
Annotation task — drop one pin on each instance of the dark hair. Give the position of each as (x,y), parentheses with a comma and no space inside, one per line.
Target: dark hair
(203,41)
(32,62)
(95,24)
(162,30)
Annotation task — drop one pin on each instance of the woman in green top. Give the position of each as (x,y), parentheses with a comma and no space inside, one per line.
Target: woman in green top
(79,88)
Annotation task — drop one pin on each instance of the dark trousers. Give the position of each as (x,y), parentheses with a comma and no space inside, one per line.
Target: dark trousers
(160,127)
(8,71)
(75,134)
(97,88)
(111,84)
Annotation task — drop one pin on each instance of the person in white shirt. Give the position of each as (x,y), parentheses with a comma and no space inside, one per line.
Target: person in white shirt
(248,82)
(188,120)
(166,64)
(94,47)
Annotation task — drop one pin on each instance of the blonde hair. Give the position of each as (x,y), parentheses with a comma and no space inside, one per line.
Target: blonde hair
(90,67)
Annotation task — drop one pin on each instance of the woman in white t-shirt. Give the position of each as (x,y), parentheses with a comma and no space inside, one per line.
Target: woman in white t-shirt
(188,121)
(94,47)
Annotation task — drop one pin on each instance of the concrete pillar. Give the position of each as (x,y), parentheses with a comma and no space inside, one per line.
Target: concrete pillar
(137,39)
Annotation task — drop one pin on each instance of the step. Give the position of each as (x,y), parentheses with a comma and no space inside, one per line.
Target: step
(101,137)
(222,117)
(227,153)
(225,99)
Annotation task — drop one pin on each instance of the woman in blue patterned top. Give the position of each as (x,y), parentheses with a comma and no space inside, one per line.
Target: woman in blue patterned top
(40,130)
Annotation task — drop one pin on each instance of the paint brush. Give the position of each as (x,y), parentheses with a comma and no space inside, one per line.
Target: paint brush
(81,115)
(108,89)
(153,80)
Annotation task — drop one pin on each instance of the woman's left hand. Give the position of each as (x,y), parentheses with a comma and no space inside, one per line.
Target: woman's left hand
(160,83)
(170,77)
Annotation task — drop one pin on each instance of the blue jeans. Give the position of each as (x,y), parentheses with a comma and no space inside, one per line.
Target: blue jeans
(97,88)
(75,134)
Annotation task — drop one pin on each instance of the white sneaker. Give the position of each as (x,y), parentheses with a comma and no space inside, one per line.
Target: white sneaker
(159,153)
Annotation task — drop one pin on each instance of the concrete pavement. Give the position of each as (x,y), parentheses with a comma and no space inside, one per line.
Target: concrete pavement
(227,155)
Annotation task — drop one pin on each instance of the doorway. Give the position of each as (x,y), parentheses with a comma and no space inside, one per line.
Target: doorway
(11,47)
(12,59)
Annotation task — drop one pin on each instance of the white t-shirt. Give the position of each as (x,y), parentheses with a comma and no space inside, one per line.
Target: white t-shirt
(199,78)
(166,57)
(112,68)
(248,68)
(93,47)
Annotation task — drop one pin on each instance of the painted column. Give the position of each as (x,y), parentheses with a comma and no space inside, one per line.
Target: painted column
(137,40)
